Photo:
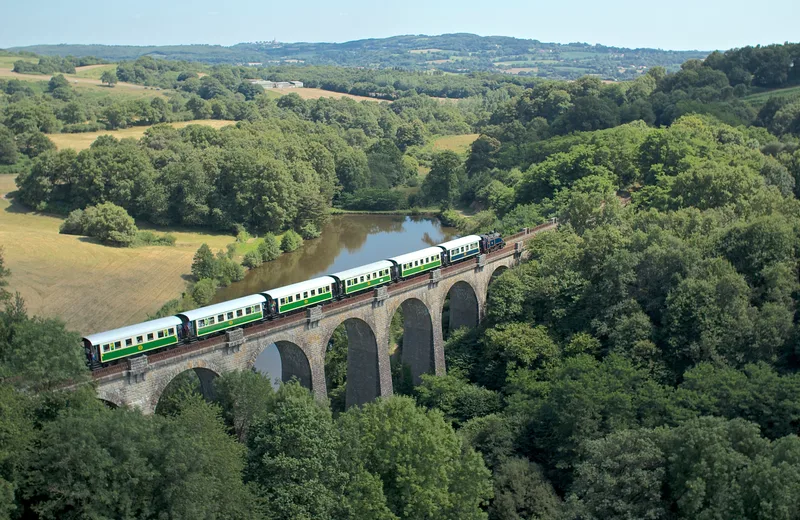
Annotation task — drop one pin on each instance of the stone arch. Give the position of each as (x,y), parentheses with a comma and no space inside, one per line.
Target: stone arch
(418,338)
(363,370)
(464,306)
(500,269)
(109,404)
(206,373)
(295,363)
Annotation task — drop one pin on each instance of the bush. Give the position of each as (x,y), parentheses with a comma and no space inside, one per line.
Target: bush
(268,248)
(309,231)
(107,222)
(291,241)
(203,291)
(228,270)
(252,259)
(148,238)
(74,224)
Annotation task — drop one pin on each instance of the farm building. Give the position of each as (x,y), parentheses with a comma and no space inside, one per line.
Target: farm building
(276,84)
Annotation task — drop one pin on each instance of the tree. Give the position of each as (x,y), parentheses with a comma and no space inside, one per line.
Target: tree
(268,248)
(290,241)
(203,291)
(8,148)
(204,264)
(521,491)
(293,456)
(245,397)
(425,469)
(110,223)
(443,183)
(4,274)
(109,77)
(458,400)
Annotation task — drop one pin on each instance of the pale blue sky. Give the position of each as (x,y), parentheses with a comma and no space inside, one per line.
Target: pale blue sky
(667,24)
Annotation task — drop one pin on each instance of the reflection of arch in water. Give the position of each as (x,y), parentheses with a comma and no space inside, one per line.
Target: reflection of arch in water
(363,376)
(417,350)
(463,306)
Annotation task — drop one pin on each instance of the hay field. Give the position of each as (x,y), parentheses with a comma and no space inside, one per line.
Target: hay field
(455,143)
(82,141)
(91,286)
(316,93)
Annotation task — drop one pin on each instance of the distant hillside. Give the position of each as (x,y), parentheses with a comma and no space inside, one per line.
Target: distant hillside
(457,53)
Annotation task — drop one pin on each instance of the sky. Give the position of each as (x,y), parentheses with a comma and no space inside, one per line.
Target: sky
(673,24)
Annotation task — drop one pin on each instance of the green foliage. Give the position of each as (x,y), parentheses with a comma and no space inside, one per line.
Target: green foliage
(244,398)
(268,248)
(309,232)
(107,222)
(204,264)
(291,241)
(203,291)
(252,259)
(521,490)
(443,183)
(424,467)
(8,147)
(374,199)
(457,399)
(109,77)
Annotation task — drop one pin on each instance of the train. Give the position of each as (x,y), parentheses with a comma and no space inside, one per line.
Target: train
(106,348)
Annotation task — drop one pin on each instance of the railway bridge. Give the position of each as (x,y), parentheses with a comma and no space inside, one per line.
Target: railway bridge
(302,339)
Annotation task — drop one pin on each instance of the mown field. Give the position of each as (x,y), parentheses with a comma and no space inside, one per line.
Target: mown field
(454,143)
(82,141)
(316,93)
(84,79)
(91,286)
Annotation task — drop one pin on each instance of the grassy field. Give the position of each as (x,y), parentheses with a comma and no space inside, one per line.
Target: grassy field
(761,97)
(91,286)
(7,62)
(82,141)
(454,143)
(86,83)
(94,71)
(316,93)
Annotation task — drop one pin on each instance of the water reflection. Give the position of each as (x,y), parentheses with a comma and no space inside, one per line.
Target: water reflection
(347,241)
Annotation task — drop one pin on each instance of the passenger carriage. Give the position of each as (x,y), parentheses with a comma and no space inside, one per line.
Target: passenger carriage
(222,316)
(364,277)
(133,339)
(417,262)
(300,295)
(461,248)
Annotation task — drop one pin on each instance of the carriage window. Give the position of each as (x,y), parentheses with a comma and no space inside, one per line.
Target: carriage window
(313,292)
(139,339)
(105,348)
(172,331)
(117,344)
(239,313)
(160,334)
(221,317)
(369,277)
(290,299)
(128,342)
(211,320)
(150,336)
(362,278)
(283,301)
(230,315)
(248,310)
(200,323)
(305,294)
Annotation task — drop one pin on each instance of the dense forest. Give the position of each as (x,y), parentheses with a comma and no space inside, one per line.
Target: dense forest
(643,363)
(451,53)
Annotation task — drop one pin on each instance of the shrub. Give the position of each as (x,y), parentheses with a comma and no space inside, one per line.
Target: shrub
(291,241)
(203,291)
(269,248)
(148,238)
(252,259)
(107,222)
(74,224)
(229,270)
(309,231)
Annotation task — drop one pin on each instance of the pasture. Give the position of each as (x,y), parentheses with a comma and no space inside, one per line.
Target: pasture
(94,71)
(316,93)
(90,286)
(759,98)
(82,141)
(85,83)
(455,143)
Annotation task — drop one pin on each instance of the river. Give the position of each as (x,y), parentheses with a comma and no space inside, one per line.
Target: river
(346,241)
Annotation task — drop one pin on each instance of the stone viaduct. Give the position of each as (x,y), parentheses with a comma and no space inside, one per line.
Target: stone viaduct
(302,339)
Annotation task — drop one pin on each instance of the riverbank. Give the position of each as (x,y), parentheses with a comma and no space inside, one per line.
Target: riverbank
(422,212)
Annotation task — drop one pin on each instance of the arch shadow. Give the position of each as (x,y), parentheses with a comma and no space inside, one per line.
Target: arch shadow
(463,309)
(293,361)
(363,376)
(205,377)
(417,349)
